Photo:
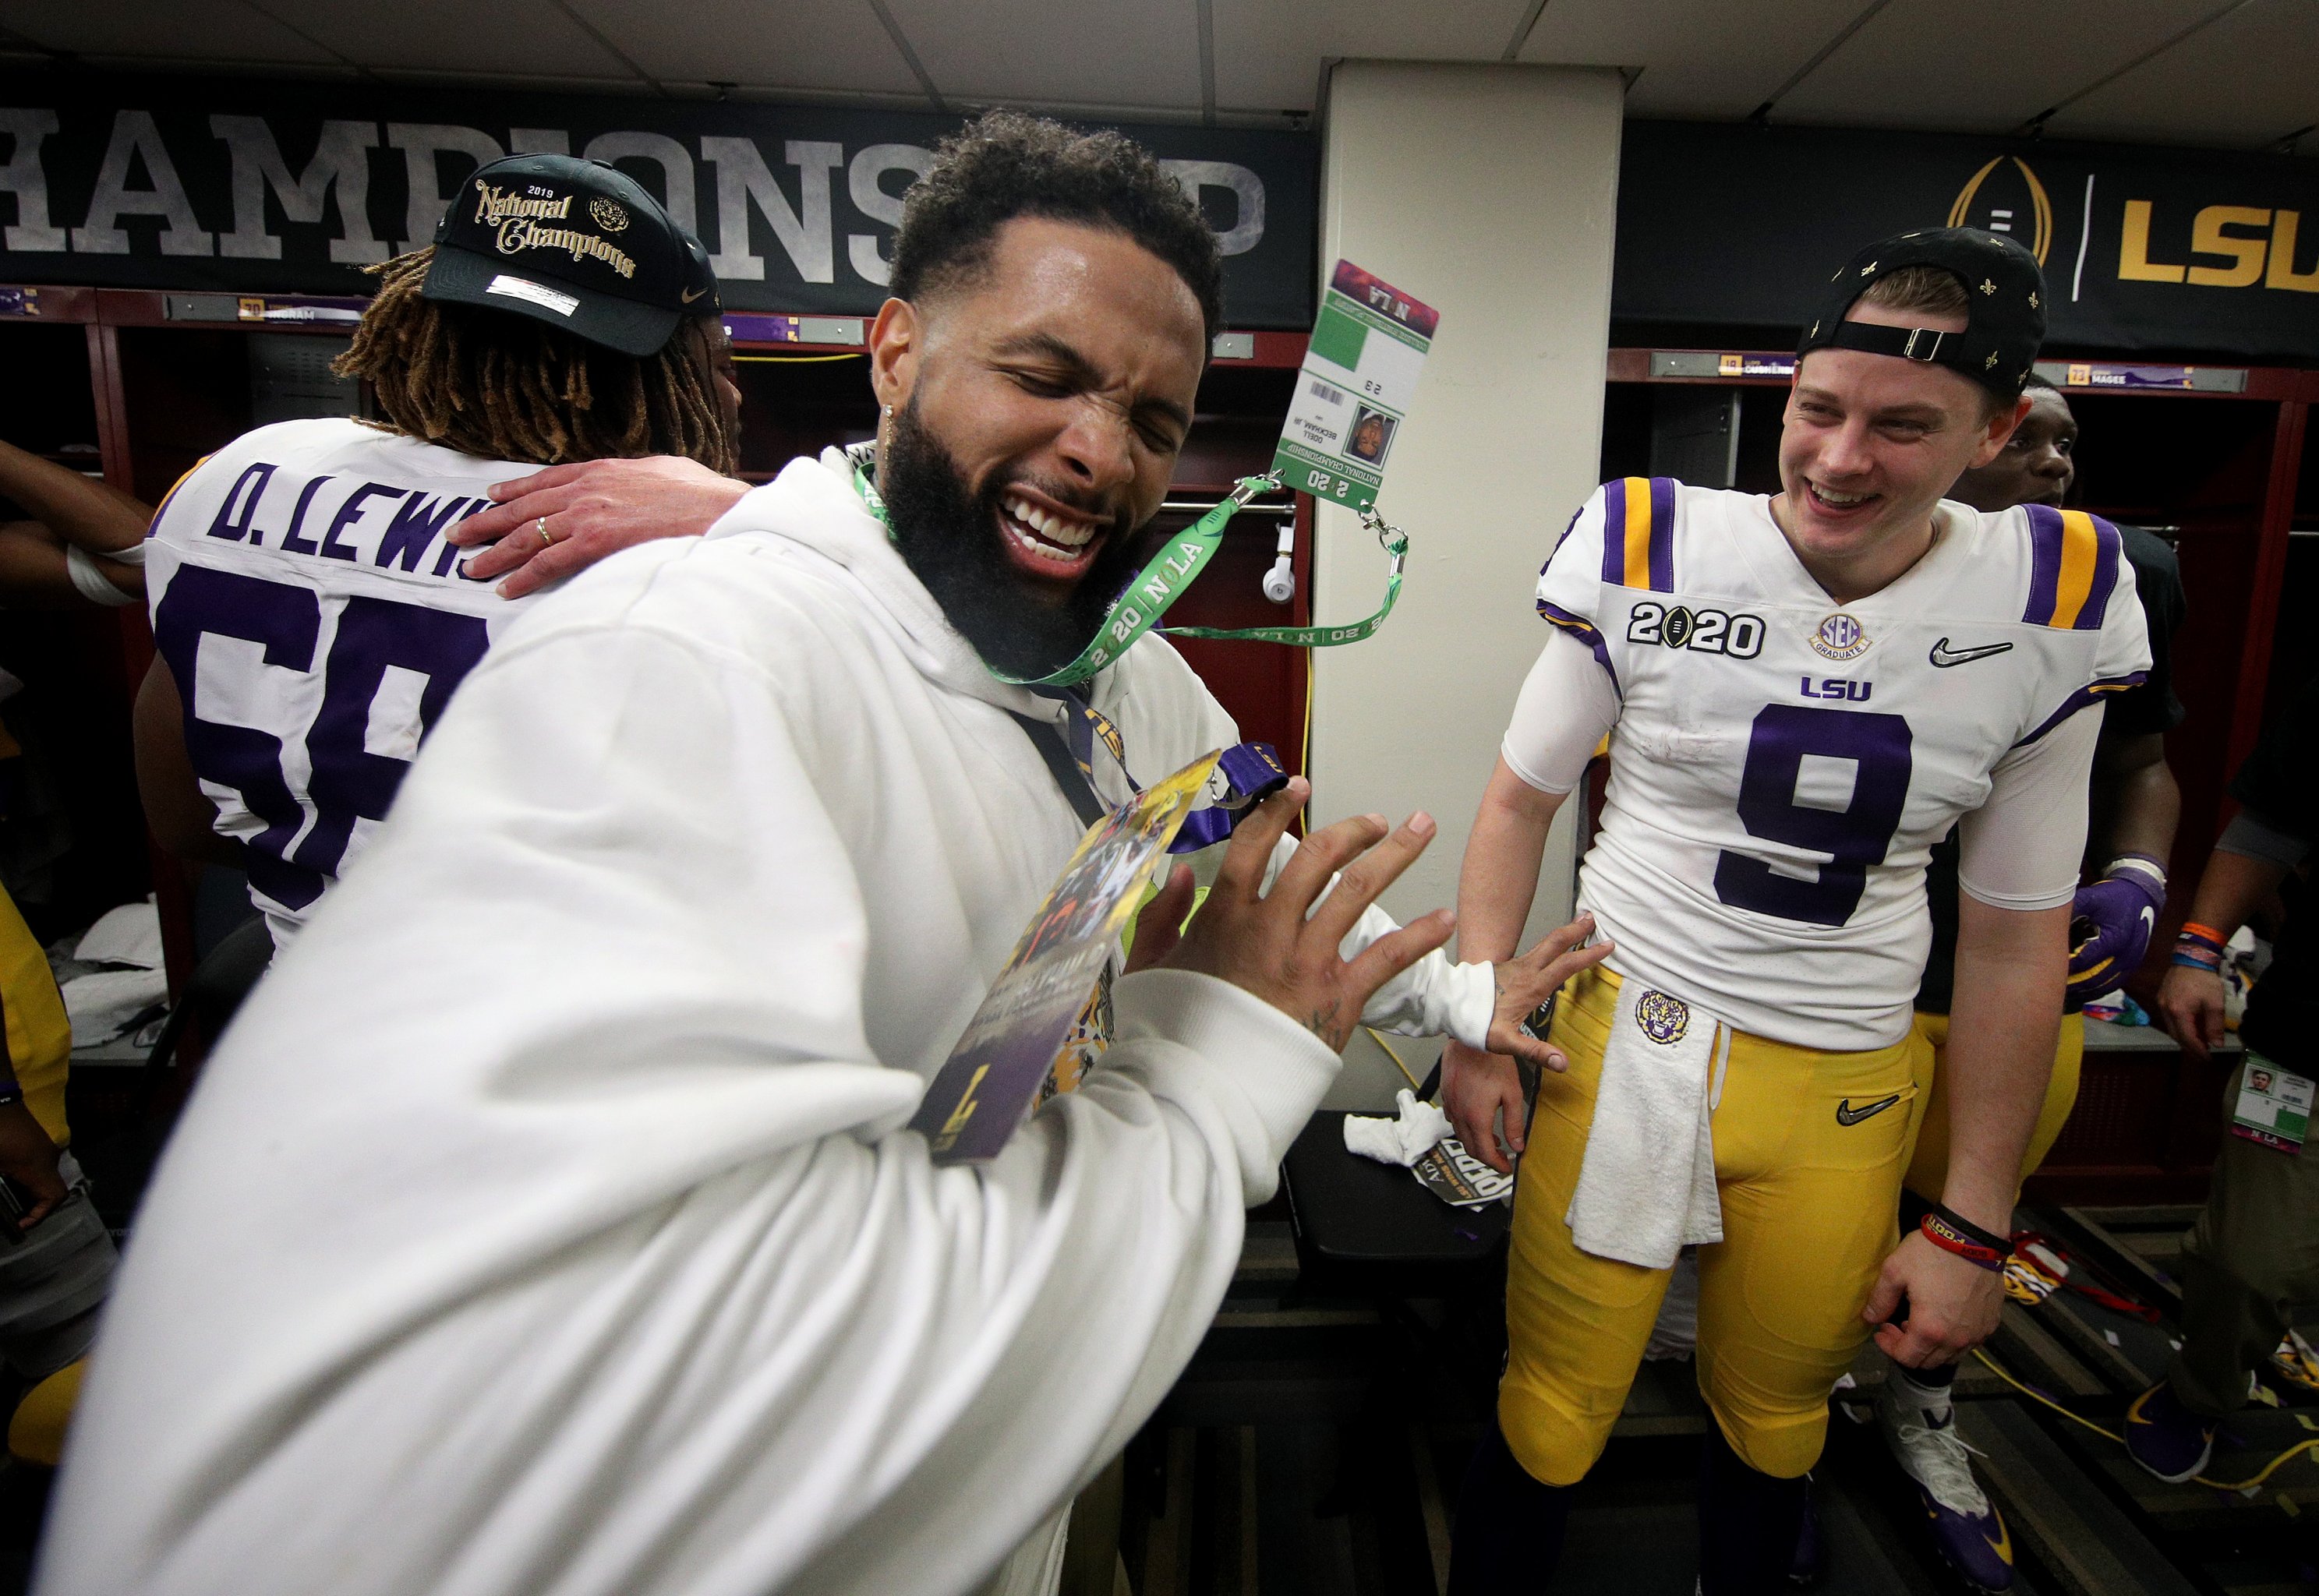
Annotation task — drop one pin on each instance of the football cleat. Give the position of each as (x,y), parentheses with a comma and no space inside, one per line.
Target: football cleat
(2294,1361)
(1968,1531)
(2166,1437)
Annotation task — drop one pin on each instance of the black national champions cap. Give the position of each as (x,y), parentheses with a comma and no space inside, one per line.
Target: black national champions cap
(576,244)
(2004,328)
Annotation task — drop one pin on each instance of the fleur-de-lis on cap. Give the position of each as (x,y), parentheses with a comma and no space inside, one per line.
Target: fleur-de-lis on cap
(2033,298)
(1987,286)
(1868,268)
(1990,363)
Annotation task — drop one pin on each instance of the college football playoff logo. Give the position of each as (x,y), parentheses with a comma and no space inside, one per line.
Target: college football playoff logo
(609,214)
(2006,197)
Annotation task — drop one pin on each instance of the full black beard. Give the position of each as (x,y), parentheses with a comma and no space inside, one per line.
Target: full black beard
(949,537)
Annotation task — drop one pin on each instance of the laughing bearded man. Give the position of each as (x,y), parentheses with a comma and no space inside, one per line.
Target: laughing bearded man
(547,1223)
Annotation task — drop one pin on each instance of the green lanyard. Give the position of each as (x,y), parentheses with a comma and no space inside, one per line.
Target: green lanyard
(1139,607)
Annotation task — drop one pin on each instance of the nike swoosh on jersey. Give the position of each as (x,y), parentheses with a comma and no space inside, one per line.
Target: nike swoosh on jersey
(1845,1114)
(1943,656)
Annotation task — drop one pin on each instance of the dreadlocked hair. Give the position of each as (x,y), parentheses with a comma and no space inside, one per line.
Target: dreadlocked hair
(505,387)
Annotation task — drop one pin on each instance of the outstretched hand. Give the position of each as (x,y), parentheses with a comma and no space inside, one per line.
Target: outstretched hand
(1482,1092)
(1526,982)
(1277,944)
(559,521)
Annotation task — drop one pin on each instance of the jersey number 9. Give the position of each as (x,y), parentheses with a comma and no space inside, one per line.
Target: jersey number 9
(1855,836)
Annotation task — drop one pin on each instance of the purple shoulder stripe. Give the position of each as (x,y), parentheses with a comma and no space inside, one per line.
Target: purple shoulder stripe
(2046,537)
(2092,693)
(1579,627)
(1663,534)
(1614,530)
(2108,550)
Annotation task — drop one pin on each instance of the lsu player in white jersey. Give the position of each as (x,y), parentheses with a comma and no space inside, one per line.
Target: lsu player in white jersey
(311,615)
(1801,694)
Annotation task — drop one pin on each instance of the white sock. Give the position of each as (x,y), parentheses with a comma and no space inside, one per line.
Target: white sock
(1932,1398)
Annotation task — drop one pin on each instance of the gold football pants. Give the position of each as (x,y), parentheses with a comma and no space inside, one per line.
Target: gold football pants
(1929,1168)
(1808,1200)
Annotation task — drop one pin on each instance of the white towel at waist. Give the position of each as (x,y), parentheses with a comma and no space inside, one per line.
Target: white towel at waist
(1646,1187)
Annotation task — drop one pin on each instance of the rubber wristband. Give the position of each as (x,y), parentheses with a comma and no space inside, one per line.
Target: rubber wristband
(2205,933)
(2191,944)
(1971,1231)
(2210,966)
(1944,1234)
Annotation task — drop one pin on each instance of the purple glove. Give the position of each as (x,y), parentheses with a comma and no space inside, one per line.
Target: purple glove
(2110,926)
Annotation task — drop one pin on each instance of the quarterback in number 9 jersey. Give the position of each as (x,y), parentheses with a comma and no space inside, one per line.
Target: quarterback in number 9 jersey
(316,620)
(1783,764)
(1802,695)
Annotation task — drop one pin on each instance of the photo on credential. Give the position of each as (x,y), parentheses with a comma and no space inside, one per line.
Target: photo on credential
(1370,437)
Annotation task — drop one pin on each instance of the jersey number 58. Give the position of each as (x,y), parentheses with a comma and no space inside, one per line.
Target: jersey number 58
(345,781)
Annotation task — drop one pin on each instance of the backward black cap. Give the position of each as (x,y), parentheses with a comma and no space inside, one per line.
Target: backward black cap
(1999,346)
(577,244)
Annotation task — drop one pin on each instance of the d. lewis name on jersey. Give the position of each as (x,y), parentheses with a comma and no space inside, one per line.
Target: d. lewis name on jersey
(337,517)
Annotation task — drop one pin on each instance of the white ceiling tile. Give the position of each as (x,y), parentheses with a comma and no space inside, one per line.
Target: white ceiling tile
(1981,66)
(161,30)
(1711,58)
(835,45)
(2244,81)
(2249,78)
(1269,52)
(521,38)
(1099,52)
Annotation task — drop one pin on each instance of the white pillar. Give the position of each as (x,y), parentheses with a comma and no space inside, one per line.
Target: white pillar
(1490,193)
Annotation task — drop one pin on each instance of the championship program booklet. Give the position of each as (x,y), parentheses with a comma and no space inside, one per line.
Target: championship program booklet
(980,1093)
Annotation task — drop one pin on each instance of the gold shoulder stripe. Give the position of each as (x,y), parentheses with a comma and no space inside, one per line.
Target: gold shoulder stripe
(1638,532)
(2080,548)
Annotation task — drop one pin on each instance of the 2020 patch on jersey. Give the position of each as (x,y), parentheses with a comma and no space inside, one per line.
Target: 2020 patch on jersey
(1783,763)
(310,605)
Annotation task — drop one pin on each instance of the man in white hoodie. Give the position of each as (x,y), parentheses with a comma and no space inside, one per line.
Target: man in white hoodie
(546,1221)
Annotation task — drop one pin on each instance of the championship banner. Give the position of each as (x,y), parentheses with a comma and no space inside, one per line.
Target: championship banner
(288,188)
(2180,250)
